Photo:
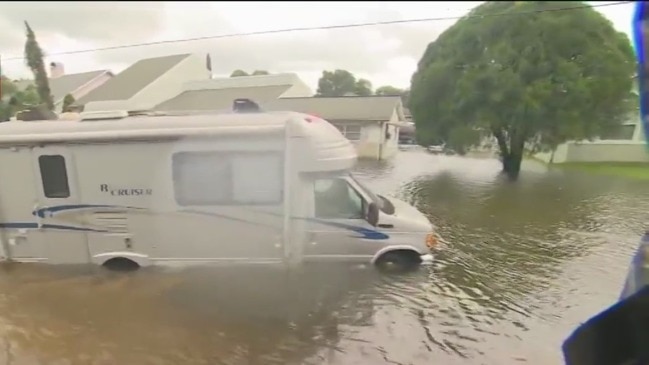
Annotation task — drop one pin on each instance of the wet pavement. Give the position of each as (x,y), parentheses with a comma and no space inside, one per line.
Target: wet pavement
(521,265)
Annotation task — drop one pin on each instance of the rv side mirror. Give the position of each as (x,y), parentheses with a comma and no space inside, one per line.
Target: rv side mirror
(373,214)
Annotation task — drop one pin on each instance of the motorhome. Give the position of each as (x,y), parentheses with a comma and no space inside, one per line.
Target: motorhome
(149,189)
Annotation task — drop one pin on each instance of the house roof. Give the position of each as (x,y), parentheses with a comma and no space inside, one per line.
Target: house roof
(245,81)
(66,84)
(130,81)
(368,108)
(221,99)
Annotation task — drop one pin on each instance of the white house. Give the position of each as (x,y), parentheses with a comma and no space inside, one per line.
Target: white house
(147,83)
(184,83)
(370,122)
(78,85)
(624,144)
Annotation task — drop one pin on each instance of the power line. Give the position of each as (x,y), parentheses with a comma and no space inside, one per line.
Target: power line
(327,27)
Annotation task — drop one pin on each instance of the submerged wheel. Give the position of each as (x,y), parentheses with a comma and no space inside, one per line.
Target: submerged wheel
(400,260)
(121,264)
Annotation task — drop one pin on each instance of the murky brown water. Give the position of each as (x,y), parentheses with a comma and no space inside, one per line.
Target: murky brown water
(523,264)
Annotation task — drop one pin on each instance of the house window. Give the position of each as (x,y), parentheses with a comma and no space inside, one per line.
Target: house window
(54,176)
(351,131)
(619,132)
(218,178)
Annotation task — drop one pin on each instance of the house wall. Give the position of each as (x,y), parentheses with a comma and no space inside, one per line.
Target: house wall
(372,143)
(607,152)
(171,83)
(370,146)
(391,145)
(603,151)
(634,150)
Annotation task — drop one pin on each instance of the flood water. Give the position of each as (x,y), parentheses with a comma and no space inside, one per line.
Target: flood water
(521,265)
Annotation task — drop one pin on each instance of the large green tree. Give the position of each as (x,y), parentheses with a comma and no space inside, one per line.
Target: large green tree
(533,77)
(394,91)
(34,60)
(341,83)
(14,99)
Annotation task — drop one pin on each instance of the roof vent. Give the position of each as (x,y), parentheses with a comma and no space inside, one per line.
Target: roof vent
(34,113)
(245,106)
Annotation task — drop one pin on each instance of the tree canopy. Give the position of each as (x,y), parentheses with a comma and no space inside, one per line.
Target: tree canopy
(239,73)
(34,60)
(531,81)
(342,83)
(394,91)
(389,90)
(14,99)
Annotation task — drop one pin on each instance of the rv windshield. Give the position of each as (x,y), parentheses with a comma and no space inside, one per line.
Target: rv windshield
(381,202)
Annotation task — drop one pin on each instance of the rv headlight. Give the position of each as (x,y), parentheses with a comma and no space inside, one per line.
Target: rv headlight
(431,240)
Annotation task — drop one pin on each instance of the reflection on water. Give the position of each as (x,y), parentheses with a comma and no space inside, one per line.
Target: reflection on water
(522,263)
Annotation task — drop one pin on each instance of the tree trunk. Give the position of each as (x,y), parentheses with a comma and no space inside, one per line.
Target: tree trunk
(512,165)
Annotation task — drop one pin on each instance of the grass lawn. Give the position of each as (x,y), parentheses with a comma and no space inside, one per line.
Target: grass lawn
(635,170)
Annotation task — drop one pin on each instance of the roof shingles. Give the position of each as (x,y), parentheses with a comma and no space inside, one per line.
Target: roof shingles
(221,99)
(130,81)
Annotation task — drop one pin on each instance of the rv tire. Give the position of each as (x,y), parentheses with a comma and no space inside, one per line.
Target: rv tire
(121,264)
(399,260)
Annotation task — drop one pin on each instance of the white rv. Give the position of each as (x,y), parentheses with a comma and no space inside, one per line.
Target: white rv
(211,188)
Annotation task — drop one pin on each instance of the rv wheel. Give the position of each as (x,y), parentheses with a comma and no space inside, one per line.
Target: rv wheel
(121,264)
(399,261)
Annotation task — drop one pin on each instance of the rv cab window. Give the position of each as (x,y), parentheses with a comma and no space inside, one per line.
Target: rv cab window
(335,199)
(54,176)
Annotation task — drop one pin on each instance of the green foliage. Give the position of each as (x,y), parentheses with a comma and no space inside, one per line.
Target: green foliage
(394,91)
(534,80)
(14,99)
(68,100)
(389,91)
(341,83)
(238,73)
(34,60)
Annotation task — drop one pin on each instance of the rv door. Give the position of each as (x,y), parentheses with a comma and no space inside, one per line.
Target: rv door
(59,216)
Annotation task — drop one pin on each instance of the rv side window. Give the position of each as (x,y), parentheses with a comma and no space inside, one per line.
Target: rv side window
(54,176)
(217,178)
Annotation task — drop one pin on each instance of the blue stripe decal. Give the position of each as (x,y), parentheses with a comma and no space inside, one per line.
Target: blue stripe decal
(31,225)
(60,208)
(365,233)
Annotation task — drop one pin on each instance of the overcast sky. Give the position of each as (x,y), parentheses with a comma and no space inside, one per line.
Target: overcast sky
(385,55)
